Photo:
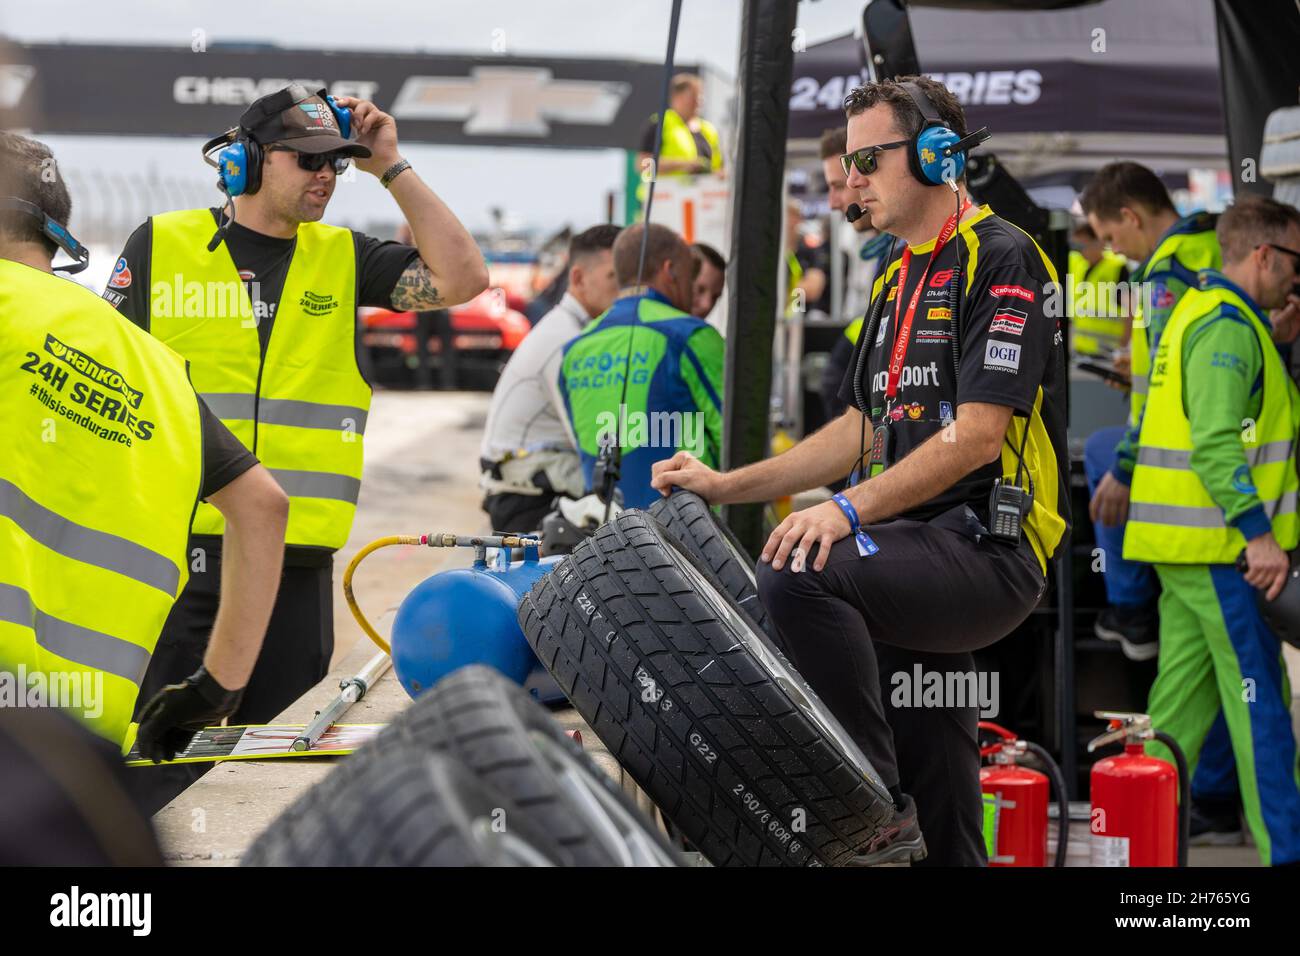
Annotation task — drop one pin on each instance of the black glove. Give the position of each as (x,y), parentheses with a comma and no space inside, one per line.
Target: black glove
(177,712)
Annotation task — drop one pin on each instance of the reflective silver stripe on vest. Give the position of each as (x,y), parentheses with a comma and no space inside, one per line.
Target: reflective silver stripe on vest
(1285,505)
(237,406)
(1163,457)
(1139,384)
(231,406)
(1209,516)
(317,484)
(1269,453)
(92,648)
(289,411)
(1265,454)
(75,541)
(1186,517)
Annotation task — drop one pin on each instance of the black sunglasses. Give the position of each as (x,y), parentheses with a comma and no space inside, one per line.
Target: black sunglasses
(315,162)
(864,159)
(1295,256)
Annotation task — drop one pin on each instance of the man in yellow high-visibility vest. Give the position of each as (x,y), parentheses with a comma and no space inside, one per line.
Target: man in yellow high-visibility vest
(265,313)
(1099,323)
(1130,210)
(1216,479)
(108,451)
(691,145)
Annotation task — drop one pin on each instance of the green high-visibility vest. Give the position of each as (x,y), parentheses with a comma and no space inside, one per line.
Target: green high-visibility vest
(1096,325)
(302,409)
(100,474)
(1193,248)
(1172,518)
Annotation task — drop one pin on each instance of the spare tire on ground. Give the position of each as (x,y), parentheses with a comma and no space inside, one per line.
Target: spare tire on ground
(496,732)
(510,741)
(688,517)
(698,705)
(403,806)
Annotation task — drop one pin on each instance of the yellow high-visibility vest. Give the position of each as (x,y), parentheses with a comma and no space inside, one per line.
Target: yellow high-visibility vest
(302,409)
(794,275)
(853,330)
(1172,518)
(100,474)
(679,141)
(1193,251)
(1096,326)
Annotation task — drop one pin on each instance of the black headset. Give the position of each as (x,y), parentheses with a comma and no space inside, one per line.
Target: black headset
(936,154)
(239,164)
(54,231)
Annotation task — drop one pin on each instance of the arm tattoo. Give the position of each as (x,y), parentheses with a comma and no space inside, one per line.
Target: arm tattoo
(415,290)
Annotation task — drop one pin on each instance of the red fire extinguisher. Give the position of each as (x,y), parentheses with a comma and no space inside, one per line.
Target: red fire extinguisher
(1016,798)
(1140,805)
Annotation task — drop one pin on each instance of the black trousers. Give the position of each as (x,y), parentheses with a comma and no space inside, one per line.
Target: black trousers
(857,630)
(522,513)
(295,657)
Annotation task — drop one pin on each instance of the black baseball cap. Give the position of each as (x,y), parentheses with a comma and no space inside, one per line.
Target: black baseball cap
(298,119)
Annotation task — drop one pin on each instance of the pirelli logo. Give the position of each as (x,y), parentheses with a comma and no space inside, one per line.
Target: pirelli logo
(98,373)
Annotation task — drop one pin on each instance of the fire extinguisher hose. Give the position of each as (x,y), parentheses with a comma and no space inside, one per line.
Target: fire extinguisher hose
(1062,800)
(1184,795)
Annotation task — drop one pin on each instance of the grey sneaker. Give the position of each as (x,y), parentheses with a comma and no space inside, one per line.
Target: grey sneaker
(899,841)
(1216,823)
(1138,631)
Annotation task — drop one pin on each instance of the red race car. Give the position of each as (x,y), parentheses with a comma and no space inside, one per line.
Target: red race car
(464,347)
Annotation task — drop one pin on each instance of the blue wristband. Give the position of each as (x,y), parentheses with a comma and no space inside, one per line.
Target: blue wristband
(866,547)
(849,511)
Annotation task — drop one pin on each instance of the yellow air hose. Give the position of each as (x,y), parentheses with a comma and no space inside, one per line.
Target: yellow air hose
(419,540)
(347,581)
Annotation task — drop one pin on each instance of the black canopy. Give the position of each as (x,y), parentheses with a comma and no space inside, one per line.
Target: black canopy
(1047,83)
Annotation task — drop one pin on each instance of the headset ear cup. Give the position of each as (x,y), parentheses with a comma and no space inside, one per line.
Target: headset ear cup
(342,116)
(935,168)
(255,156)
(914,160)
(232,169)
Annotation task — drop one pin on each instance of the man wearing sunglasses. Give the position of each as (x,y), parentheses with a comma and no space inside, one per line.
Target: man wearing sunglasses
(902,576)
(863,265)
(265,313)
(1215,481)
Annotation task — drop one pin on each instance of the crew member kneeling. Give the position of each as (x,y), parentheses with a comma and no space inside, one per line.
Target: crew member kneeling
(902,568)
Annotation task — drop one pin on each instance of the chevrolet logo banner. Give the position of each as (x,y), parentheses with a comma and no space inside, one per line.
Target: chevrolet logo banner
(510,101)
(463,100)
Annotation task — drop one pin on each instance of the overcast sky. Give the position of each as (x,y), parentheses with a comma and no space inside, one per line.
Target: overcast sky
(616,28)
(541,188)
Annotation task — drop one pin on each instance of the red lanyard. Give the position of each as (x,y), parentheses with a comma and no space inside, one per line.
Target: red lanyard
(903,333)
